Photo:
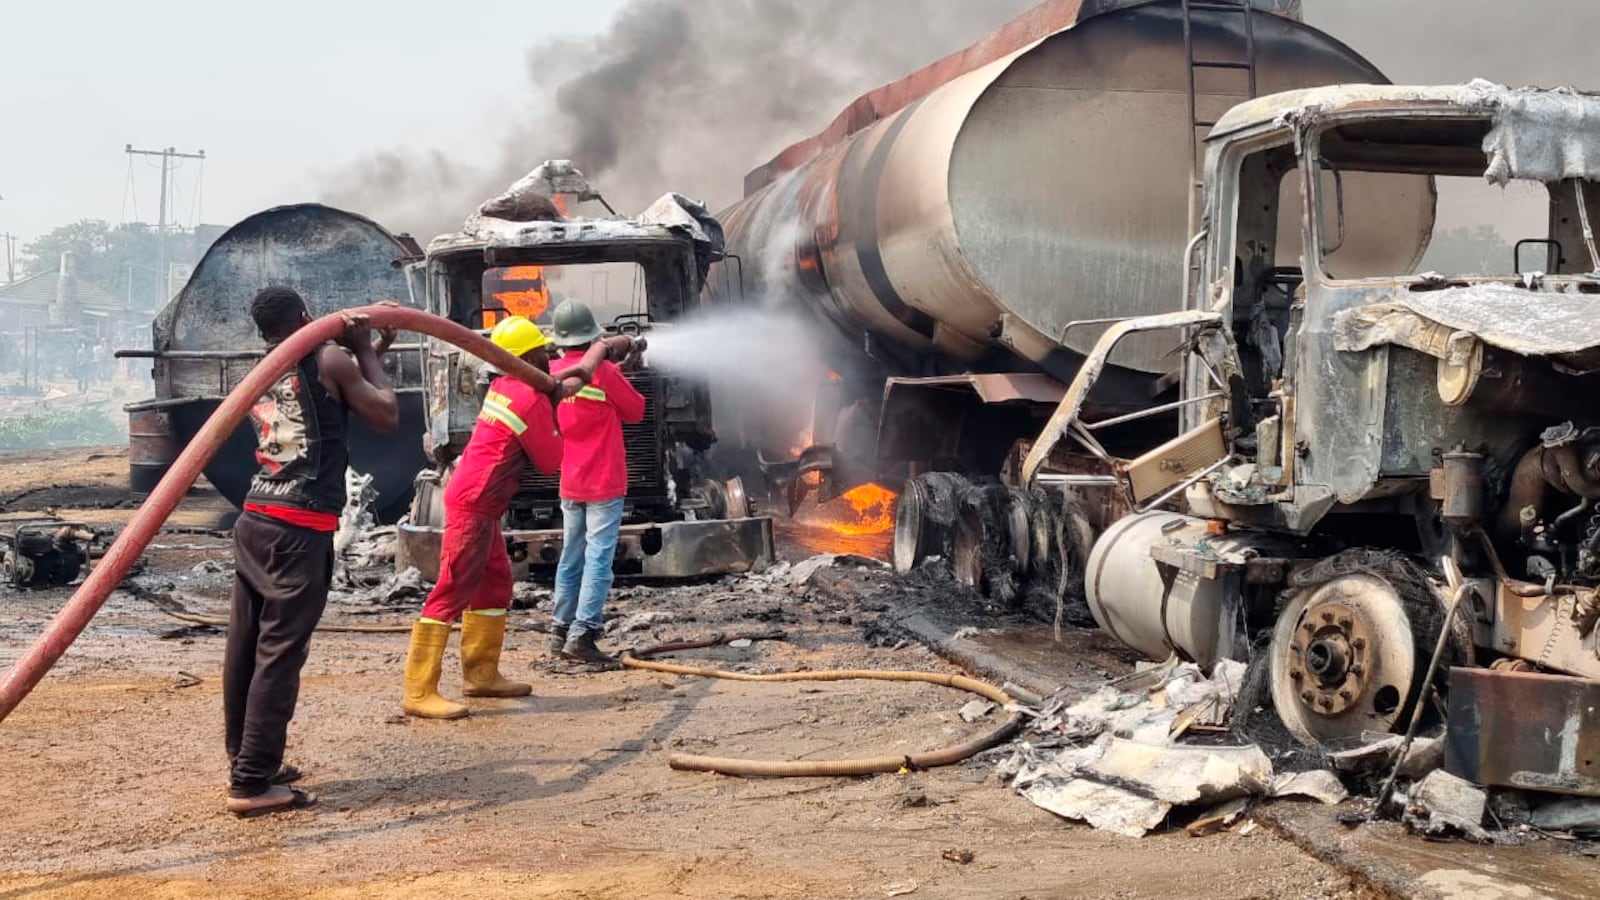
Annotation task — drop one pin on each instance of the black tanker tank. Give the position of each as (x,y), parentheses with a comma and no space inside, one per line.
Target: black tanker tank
(204,342)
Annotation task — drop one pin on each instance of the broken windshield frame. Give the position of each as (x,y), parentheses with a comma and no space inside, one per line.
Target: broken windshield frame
(640,276)
(1438,146)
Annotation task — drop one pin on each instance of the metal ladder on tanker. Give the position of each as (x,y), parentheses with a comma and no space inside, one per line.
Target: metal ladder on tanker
(1198,126)
(1207,439)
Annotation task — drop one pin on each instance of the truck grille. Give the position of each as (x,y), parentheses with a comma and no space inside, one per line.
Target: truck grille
(642,442)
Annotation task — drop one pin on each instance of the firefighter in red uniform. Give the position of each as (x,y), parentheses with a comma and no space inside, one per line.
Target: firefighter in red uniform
(594,486)
(516,426)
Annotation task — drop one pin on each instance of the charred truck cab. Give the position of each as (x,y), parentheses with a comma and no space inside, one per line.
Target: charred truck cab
(1388,473)
(678,521)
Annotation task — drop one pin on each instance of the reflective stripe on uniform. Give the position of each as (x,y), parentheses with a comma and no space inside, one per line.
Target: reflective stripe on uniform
(590,392)
(495,411)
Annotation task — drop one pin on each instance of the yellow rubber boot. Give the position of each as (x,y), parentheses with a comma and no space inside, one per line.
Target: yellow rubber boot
(428,640)
(482,634)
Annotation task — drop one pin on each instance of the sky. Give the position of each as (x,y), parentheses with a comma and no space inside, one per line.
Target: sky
(275,93)
(285,96)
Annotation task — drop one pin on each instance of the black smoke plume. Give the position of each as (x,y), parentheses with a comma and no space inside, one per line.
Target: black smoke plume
(676,95)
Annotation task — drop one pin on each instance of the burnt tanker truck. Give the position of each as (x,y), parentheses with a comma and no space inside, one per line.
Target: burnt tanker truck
(1205,391)
(678,520)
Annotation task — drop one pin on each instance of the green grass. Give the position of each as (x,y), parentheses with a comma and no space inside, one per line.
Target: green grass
(43,429)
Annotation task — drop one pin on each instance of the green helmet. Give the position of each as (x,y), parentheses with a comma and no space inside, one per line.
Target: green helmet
(573,324)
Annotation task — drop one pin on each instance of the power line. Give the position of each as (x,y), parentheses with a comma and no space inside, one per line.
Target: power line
(199,194)
(130,191)
(11,258)
(167,155)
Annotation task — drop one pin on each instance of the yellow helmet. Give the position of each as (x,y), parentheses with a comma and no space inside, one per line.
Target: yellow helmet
(516,335)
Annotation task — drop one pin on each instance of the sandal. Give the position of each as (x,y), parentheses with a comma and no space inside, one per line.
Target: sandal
(298,799)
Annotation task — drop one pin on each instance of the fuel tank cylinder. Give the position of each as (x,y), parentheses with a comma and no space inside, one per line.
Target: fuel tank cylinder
(988,210)
(1132,601)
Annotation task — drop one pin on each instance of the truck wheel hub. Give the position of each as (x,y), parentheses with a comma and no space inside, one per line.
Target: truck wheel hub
(1342,654)
(1327,658)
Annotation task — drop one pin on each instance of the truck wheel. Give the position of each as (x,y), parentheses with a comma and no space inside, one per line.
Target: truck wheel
(1019,521)
(1060,538)
(1075,540)
(1042,536)
(1350,647)
(980,554)
(966,545)
(924,518)
(909,548)
(738,503)
(723,499)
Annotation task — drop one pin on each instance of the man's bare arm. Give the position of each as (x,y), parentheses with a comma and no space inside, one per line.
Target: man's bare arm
(386,335)
(361,382)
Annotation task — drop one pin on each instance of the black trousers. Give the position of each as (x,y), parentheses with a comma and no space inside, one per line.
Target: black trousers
(280,587)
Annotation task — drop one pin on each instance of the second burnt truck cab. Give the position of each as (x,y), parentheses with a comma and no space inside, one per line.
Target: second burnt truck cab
(678,521)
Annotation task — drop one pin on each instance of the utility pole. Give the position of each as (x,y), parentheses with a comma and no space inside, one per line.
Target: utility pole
(11,261)
(167,154)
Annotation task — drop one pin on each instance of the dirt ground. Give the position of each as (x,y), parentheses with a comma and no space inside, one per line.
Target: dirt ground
(114,769)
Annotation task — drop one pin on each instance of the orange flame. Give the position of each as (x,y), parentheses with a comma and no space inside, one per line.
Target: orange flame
(860,521)
(531,301)
(868,509)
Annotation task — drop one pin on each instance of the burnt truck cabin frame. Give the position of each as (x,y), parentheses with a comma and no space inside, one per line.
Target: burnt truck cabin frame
(1442,414)
(676,412)
(1355,169)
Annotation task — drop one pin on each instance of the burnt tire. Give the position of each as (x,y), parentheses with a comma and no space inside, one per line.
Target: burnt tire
(980,554)
(1019,535)
(925,519)
(1061,538)
(1042,536)
(911,530)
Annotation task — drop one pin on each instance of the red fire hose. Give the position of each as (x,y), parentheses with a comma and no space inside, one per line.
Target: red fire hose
(87,600)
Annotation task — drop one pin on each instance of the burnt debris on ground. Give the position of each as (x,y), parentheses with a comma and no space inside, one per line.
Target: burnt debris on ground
(1129,747)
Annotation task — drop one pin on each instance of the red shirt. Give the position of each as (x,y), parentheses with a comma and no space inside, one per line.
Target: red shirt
(594,466)
(515,427)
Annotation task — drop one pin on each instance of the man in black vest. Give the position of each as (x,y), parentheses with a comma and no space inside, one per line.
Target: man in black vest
(283,541)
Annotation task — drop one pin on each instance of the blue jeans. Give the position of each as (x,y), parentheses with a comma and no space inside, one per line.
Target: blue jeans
(583,576)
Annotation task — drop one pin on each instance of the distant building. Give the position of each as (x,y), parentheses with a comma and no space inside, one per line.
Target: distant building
(61,300)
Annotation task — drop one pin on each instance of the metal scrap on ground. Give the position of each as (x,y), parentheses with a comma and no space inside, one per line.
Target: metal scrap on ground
(1113,759)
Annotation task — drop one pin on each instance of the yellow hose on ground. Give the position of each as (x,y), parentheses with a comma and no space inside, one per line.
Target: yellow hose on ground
(775,768)
(772,768)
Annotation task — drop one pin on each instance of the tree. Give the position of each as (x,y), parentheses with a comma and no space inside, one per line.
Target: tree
(1472,250)
(116,258)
